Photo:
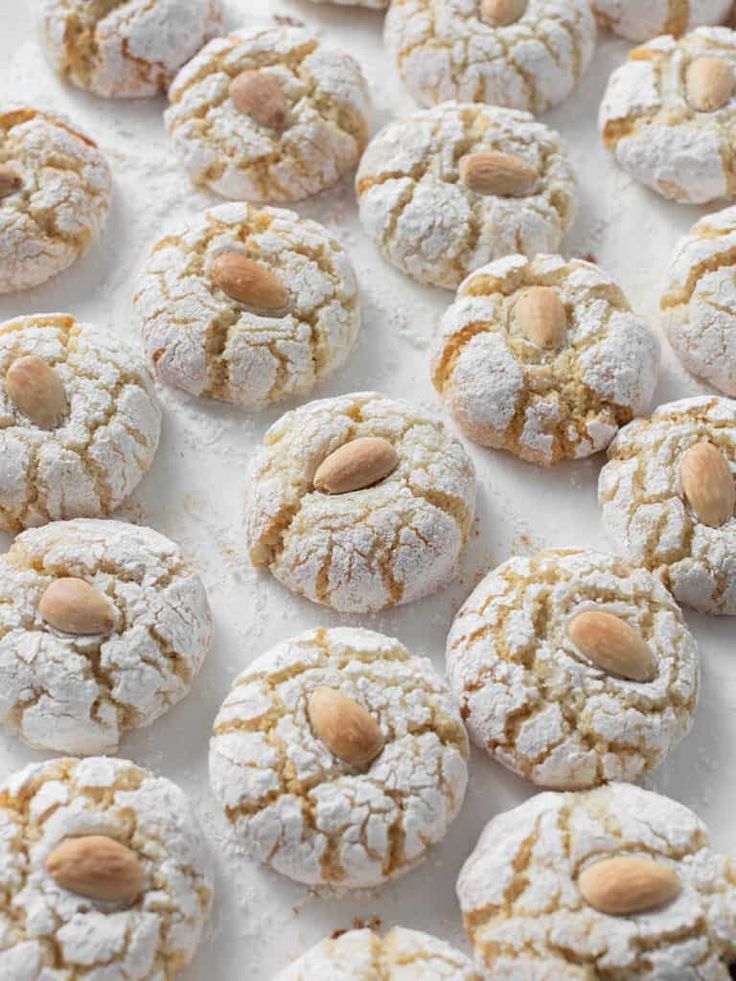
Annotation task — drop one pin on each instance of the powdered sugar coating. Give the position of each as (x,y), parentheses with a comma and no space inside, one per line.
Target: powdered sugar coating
(544,405)
(428,222)
(645,511)
(639,21)
(229,152)
(309,815)
(527,919)
(48,932)
(390,543)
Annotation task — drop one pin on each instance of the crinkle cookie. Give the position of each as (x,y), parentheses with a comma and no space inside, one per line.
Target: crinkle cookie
(104,873)
(103,627)
(79,420)
(668,115)
(248,305)
(524,54)
(668,499)
(339,758)
(268,115)
(573,668)
(544,358)
(55,191)
(640,21)
(446,190)
(360,502)
(616,882)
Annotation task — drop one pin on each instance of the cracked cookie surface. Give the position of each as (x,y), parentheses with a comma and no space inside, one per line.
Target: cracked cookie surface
(639,21)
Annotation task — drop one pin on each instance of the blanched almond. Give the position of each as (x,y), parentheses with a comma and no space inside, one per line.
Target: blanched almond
(360,463)
(72,606)
(10,181)
(36,390)
(501,13)
(708,484)
(540,315)
(259,96)
(497,173)
(250,283)
(709,84)
(613,645)
(98,867)
(346,728)
(626,885)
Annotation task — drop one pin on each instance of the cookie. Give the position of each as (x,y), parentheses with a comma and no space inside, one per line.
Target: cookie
(360,502)
(247,305)
(79,420)
(523,54)
(639,21)
(616,882)
(449,189)
(339,758)
(544,358)
(104,873)
(103,627)
(668,115)
(668,498)
(268,115)
(55,191)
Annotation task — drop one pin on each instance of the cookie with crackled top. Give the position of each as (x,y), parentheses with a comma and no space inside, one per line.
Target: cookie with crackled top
(639,21)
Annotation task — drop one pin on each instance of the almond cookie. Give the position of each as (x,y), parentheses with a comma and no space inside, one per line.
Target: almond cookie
(248,306)
(544,358)
(668,499)
(524,54)
(449,189)
(104,873)
(360,502)
(55,191)
(339,758)
(103,627)
(268,115)
(616,882)
(639,21)
(79,420)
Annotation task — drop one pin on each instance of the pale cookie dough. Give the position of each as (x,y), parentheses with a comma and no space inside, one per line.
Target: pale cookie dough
(306,812)
(649,517)
(653,120)
(91,456)
(640,21)
(427,220)
(544,402)
(209,343)
(321,101)
(526,914)
(529,55)
(78,693)
(48,931)
(392,542)
(55,191)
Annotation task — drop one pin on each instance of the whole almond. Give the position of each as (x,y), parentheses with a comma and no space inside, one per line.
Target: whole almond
(497,173)
(501,13)
(709,84)
(10,181)
(250,283)
(613,645)
(708,484)
(98,867)
(346,728)
(259,96)
(355,465)
(72,606)
(626,885)
(539,314)
(36,390)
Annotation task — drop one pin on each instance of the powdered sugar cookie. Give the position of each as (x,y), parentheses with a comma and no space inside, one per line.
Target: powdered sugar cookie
(573,668)
(103,627)
(104,873)
(360,502)
(55,190)
(668,499)
(543,358)
(525,54)
(339,758)
(615,882)
(639,21)
(79,420)
(268,115)
(446,190)
(248,306)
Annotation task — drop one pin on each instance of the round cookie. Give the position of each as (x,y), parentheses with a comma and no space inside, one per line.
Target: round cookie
(392,535)
(446,190)
(55,191)
(339,758)
(268,115)
(247,305)
(529,657)
(79,420)
(544,358)
(667,498)
(103,627)
(524,54)
(639,21)
(668,115)
(528,891)
(63,918)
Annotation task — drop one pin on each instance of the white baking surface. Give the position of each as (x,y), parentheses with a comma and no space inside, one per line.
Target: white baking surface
(195,490)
